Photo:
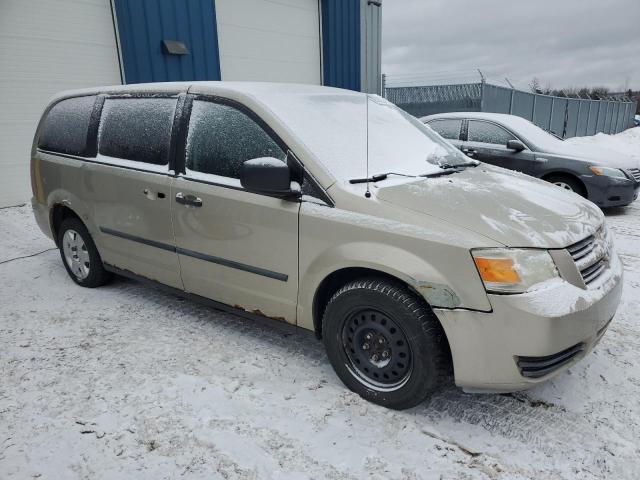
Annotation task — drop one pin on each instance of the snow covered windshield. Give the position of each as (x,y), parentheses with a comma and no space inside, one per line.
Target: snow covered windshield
(400,143)
(333,125)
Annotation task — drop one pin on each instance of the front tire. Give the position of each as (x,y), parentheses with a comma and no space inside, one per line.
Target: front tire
(80,255)
(385,343)
(568,183)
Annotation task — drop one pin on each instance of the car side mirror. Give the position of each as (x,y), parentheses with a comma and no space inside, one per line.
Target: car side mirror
(516,145)
(269,176)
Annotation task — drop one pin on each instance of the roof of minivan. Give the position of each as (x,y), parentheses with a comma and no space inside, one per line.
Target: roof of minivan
(246,88)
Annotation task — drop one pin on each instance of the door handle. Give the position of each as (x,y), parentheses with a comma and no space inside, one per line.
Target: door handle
(188,200)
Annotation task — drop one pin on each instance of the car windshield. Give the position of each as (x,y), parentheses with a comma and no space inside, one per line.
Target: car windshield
(400,143)
(340,129)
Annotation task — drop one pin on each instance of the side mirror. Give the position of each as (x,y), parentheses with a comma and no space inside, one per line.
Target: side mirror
(516,145)
(269,176)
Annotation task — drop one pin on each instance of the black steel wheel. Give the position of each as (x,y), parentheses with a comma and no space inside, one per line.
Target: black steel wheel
(385,343)
(377,349)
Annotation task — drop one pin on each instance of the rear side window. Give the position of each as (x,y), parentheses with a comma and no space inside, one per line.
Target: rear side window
(67,126)
(484,132)
(221,138)
(449,129)
(137,129)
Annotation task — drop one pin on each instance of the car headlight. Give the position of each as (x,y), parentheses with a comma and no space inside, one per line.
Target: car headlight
(507,270)
(608,172)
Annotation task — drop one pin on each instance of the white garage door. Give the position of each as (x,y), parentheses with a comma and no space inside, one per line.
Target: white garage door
(47,46)
(267,40)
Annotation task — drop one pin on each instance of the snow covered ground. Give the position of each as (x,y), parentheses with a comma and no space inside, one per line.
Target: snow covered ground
(125,381)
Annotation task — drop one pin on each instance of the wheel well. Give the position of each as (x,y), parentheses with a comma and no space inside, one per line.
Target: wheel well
(60,213)
(338,279)
(334,282)
(570,176)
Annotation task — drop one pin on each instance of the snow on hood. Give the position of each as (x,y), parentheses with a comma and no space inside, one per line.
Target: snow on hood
(622,150)
(581,149)
(508,207)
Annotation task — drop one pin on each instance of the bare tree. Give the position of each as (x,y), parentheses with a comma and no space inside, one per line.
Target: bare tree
(535,85)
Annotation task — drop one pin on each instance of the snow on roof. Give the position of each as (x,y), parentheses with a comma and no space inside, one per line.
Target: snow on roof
(497,117)
(246,88)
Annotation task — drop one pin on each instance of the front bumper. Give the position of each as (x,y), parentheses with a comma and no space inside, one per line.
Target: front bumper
(554,326)
(611,192)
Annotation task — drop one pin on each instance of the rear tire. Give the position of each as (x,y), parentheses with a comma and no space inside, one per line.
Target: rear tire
(80,256)
(385,343)
(568,183)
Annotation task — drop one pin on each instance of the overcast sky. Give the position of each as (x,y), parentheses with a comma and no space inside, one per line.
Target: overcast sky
(562,42)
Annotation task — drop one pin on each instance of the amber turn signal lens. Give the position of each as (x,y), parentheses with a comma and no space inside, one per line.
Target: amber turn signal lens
(497,270)
(597,170)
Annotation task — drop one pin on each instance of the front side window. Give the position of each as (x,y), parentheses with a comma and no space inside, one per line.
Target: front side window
(67,125)
(484,132)
(449,129)
(221,138)
(137,129)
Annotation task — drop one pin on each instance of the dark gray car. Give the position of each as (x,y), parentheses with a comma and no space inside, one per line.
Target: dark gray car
(606,178)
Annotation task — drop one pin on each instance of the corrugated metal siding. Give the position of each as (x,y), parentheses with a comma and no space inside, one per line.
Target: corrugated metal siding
(341,43)
(143,24)
(46,47)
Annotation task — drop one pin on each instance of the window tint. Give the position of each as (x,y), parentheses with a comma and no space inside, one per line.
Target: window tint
(137,129)
(67,125)
(484,132)
(221,138)
(449,129)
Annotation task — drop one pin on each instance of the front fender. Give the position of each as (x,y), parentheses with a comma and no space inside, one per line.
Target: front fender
(443,273)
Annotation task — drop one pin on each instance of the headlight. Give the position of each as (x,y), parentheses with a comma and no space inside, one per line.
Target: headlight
(608,172)
(506,270)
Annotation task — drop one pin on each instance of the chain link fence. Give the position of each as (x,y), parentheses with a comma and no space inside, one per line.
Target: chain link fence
(565,117)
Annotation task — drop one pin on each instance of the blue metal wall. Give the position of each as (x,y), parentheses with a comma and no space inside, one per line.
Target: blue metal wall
(143,24)
(341,43)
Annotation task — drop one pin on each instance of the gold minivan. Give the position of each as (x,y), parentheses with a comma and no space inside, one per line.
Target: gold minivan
(334,211)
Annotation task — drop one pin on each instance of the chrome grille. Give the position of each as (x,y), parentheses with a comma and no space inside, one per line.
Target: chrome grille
(635,173)
(592,255)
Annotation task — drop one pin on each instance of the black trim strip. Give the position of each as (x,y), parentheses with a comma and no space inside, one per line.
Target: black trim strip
(200,256)
(231,264)
(91,149)
(133,238)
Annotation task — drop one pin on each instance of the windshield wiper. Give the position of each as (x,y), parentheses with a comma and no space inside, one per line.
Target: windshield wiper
(377,178)
(449,169)
(450,166)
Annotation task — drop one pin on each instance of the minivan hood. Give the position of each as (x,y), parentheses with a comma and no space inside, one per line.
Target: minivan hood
(506,206)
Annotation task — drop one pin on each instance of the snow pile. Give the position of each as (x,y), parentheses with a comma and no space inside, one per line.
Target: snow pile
(626,143)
